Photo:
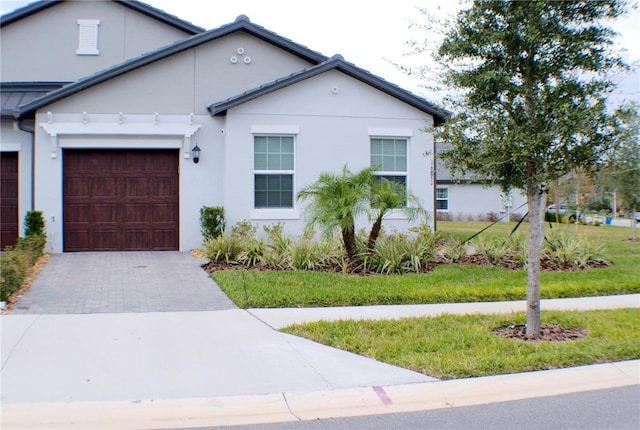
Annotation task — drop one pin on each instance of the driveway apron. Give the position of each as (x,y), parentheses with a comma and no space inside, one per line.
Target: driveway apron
(117,282)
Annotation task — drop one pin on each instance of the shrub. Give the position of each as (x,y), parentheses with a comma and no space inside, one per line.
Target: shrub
(491,249)
(34,223)
(403,253)
(15,263)
(565,248)
(452,250)
(212,222)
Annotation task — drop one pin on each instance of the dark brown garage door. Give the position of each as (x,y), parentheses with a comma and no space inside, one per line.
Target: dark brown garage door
(8,198)
(121,200)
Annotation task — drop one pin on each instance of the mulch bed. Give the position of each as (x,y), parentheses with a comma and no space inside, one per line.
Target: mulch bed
(548,333)
(545,264)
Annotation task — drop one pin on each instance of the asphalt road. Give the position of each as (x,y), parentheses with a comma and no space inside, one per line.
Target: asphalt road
(615,409)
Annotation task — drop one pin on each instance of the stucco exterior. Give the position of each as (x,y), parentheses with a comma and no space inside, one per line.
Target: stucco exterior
(163,100)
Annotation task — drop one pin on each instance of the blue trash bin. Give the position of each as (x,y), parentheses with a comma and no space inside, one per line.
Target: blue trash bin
(609,220)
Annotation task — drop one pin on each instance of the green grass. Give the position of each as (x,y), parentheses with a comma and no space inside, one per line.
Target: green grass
(451,346)
(445,284)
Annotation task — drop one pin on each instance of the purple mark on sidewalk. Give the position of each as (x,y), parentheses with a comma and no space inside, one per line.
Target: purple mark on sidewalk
(382,394)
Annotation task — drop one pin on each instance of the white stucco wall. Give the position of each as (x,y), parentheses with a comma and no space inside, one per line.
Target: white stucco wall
(334,130)
(475,200)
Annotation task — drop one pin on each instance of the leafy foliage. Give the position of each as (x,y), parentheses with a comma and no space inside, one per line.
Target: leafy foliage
(34,223)
(212,222)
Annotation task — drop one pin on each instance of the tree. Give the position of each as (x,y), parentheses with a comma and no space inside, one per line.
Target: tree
(533,97)
(624,162)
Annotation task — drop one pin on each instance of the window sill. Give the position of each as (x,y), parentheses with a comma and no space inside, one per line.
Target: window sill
(274,214)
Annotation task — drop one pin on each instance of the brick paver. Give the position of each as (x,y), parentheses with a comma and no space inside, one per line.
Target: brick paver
(116,282)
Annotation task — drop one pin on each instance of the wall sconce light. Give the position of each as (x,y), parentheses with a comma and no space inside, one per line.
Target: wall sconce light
(195,153)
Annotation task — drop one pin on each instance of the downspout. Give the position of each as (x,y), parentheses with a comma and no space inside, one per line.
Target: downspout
(31,131)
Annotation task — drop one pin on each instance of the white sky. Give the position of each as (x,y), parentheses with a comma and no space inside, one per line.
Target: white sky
(369,36)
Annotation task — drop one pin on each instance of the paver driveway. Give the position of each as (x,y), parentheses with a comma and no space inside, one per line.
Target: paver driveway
(115,282)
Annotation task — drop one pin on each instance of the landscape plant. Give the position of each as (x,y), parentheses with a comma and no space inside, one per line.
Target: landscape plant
(533,100)
(212,222)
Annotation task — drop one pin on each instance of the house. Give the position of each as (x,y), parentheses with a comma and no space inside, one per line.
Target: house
(128,141)
(469,199)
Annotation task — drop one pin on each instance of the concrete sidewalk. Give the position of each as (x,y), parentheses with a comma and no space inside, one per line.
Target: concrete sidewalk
(190,369)
(279,318)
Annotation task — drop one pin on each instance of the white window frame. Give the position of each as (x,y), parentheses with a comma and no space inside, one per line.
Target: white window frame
(404,173)
(88,37)
(440,200)
(275,213)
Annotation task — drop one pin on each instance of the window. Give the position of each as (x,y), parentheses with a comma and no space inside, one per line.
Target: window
(390,156)
(88,37)
(442,199)
(273,165)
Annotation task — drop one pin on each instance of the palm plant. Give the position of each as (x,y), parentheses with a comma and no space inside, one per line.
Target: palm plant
(336,201)
(386,196)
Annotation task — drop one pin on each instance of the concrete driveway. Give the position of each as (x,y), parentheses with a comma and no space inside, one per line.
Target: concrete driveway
(118,282)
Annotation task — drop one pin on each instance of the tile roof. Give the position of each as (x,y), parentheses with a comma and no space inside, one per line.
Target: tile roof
(12,95)
(138,6)
(336,62)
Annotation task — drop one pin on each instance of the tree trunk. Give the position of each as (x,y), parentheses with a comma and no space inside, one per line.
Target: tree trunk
(633,223)
(373,235)
(536,235)
(349,240)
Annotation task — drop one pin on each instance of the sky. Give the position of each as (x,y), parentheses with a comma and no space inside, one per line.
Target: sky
(371,37)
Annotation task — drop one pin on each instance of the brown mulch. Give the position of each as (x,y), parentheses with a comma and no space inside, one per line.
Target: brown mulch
(32,274)
(548,333)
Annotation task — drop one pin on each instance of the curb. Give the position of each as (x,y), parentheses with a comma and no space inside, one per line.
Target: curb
(302,406)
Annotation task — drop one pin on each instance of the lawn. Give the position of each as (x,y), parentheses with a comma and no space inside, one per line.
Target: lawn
(451,346)
(446,283)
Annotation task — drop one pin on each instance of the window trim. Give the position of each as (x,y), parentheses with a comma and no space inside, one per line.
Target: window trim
(275,212)
(441,200)
(405,172)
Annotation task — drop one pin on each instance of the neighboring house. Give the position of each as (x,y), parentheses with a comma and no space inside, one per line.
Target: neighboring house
(114,165)
(46,45)
(466,198)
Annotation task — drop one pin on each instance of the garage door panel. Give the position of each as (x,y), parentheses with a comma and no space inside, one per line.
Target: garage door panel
(136,240)
(104,187)
(104,240)
(132,193)
(79,212)
(77,187)
(78,239)
(163,187)
(104,213)
(136,213)
(136,187)
(164,237)
(164,213)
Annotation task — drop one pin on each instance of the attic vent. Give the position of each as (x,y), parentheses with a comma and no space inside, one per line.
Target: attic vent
(88,37)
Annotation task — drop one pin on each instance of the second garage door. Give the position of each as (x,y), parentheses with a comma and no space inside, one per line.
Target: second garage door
(121,200)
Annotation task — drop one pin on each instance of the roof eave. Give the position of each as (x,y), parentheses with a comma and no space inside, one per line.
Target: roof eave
(25,11)
(439,116)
